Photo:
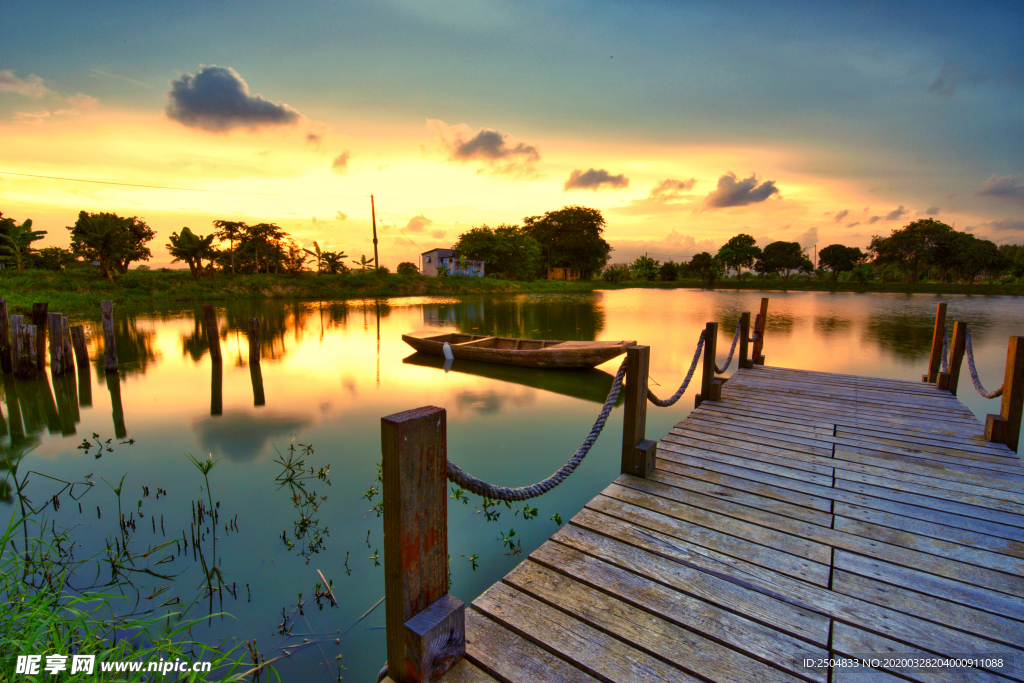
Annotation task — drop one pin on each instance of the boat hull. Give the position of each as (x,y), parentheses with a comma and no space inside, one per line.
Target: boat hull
(528,353)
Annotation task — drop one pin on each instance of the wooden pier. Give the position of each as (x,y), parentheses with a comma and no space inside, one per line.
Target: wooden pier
(804,516)
(792,518)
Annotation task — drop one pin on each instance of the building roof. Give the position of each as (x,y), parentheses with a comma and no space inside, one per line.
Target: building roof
(442,252)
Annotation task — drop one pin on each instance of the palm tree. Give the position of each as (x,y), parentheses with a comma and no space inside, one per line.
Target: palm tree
(334,262)
(19,239)
(230,231)
(364,262)
(191,249)
(319,255)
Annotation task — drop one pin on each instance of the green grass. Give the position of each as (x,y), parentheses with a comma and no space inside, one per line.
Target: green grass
(78,292)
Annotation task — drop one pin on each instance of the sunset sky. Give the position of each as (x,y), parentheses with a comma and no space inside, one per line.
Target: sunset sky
(684,123)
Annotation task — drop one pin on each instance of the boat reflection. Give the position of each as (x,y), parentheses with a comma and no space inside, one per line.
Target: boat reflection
(589,385)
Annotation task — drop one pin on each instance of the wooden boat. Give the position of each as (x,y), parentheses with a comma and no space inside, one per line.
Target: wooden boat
(530,353)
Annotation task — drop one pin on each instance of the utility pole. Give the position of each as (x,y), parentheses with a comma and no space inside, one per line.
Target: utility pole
(373,213)
(815,255)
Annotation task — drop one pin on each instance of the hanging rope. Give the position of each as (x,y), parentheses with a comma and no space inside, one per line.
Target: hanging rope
(686,381)
(757,326)
(974,372)
(461,478)
(732,349)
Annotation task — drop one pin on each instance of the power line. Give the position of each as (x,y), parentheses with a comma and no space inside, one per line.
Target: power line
(182,189)
(403,232)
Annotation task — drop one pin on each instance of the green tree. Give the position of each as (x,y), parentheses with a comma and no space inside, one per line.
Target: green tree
(913,246)
(669,271)
(840,259)
(102,237)
(264,241)
(191,249)
(739,252)
(407,268)
(975,256)
(318,255)
(709,268)
(364,262)
(16,241)
(138,234)
(571,238)
(231,232)
(782,257)
(506,249)
(644,268)
(54,258)
(334,262)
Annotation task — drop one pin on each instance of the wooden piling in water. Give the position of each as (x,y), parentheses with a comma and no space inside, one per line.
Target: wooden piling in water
(39,319)
(254,341)
(425,625)
(109,347)
(25,349)
(65,335)
(5,338)
(762,323)
(935,359)
(212,334)
(1005,426)
(637,451)
(78,341)
(53,323)
(708,370)
(744,361)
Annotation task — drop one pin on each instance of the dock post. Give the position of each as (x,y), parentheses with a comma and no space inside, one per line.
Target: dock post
(949,380)
(637,451)
(762,321)
(39,319)
(53,321)
(708,371)
(426,632)
(254,341)
(935,359)
(109,347)
(212,334)
(5,338)
(745,340)
(1005,427)
(78,341)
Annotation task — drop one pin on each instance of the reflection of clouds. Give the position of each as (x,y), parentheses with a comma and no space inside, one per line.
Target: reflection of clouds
(492,402)
(242,437)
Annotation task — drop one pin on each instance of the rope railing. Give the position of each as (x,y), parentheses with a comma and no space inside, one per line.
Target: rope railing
(461,478)
(686,381)
(974,372)
(732,349)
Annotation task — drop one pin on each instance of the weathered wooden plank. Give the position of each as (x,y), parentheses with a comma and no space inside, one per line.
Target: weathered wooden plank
(968,495)
(505,654)
(701,582)
(575,641)
(645,618)
(465,672)
(774,459)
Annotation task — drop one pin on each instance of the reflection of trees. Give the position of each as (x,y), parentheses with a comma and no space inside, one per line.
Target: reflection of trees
(135,350)
(831,325)
(576,317)
(907,336)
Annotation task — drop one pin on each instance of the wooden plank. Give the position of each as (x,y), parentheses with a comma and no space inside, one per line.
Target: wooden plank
(951,490)
(575,641)
(510,657)
(705,585)
(465,672)
(793,464)
(645,619)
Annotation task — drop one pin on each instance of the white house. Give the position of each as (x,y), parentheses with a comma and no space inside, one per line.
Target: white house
(431,261)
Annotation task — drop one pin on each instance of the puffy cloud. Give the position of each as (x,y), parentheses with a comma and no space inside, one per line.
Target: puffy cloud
(437,233)
(1005,224)
(488,146)
(340,163)
(672,247)
(932,211)
(341,217)
(217,99)
(895,214)
(1009,187)
(593,179)
(419,223)
(874,219)
(807,239)
(850,225)
(842,214)
(32,86)
(670,190)
(731,192)
(31,117)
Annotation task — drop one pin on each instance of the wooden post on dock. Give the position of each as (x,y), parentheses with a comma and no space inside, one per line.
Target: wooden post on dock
(949,380)
(935,360)
(5,338)
(744,361)
(708,371)
(637,451)
(78,341)
(254,341)
(57,361)
(109,348)
(40,319)
(212,334)
(762,321)
(1005,427)
(425,625)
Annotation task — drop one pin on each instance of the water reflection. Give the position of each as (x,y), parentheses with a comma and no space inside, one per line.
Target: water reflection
(256,375)
(244,437)
(117,410)
(831,325)
(136,350)
(577,317)
(216,389)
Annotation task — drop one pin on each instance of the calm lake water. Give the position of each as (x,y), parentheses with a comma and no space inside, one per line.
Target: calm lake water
(331,370)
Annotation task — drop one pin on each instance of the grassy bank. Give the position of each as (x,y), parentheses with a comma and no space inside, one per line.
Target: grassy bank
(78,292)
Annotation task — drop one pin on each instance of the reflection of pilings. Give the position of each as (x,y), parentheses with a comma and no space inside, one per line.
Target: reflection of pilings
(45,395)
(13,409)
(256,373)
(212,334)
(65,391)
(254,341)
(84,386)
(39,319)
(3,424)
(31,410)
(78,341)
(109,347)
(217,389)
(5,338)
(114,386)
(65,334)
